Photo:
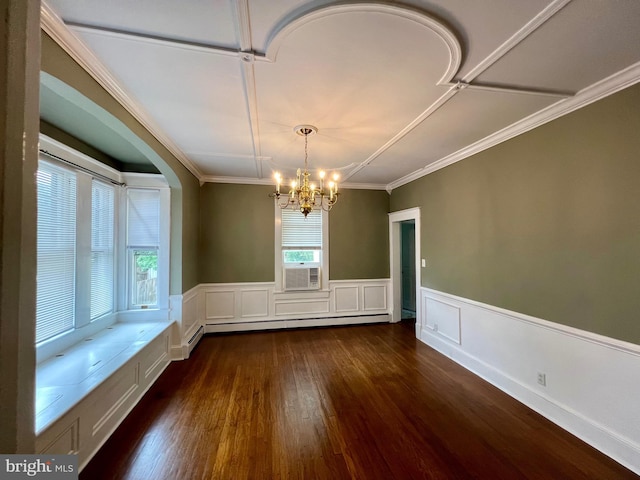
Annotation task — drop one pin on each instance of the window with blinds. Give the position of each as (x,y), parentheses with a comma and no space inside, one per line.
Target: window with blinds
(301,237)
(102,248)
(56,251)
(143,243)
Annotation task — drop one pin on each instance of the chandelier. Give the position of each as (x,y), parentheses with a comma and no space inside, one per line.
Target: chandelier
(303,194)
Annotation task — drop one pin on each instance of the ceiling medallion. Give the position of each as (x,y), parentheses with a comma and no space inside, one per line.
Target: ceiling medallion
(303,194)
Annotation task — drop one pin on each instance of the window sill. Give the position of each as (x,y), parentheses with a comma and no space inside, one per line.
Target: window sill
(65,379)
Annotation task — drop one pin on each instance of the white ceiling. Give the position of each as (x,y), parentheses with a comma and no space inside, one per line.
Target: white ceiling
(395,89)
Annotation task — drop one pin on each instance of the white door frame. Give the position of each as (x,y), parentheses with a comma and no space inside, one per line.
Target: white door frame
(395,218)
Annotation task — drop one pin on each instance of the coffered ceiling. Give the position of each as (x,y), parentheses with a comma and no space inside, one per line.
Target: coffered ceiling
(396,89)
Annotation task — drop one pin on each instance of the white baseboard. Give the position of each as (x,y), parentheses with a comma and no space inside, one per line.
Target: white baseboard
(301,323)
(596,400)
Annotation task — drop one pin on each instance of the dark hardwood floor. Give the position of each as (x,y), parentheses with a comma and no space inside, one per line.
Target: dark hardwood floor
(366,402)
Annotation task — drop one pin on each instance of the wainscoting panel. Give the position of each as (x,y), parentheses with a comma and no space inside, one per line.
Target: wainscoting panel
(184,314)
(306,307)
(66,442)
(375,297)
(254,303)
(584,382)
(346,299)
(220,305)
(256,306)
(443,318)
(97,404)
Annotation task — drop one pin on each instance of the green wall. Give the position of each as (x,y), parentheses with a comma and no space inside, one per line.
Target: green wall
(184,186)
(359,235)
(547,224)
(237,234)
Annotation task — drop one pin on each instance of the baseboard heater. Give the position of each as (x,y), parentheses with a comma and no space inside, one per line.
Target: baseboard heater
(275,324)
(193,341)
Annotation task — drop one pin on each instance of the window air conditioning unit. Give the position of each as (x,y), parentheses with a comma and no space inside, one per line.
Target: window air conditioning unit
(302,278)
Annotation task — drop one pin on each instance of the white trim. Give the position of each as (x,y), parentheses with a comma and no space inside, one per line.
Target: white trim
(608,86)
(277,37)
(278,264)
(64,151)
(605,418)
(584,335)
(270,181)
(264,307)
(531,26)
(296,323)
(431,109)
(53,25)
(395,218)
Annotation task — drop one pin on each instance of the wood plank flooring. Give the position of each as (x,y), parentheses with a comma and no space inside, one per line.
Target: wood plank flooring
(364,402)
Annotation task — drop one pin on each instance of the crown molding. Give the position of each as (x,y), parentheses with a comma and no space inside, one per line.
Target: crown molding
(599,90)
(55,27)
(241,180)
(267,181)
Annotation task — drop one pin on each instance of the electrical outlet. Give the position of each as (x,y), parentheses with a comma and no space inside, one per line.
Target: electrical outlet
(542,379)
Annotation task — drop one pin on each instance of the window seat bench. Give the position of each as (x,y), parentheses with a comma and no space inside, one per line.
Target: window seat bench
(83,393)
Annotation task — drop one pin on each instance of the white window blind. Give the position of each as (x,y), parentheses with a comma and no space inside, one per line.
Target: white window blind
(301,232)
(56,251)
(102,248)
(143,219)
(143,244)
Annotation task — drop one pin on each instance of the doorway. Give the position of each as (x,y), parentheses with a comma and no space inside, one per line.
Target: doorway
(408,269)
(404,235)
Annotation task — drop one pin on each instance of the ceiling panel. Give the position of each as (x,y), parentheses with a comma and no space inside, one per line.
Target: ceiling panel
(584,42)
(226,165)
(358,85)
(196,95)
(469,116)
(209,22)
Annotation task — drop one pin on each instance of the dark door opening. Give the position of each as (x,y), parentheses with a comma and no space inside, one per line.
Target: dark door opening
(408,269)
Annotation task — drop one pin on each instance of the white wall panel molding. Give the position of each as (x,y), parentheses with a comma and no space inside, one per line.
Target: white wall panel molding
(184,315)
(346,298)
(374,297)
(220,305)
(257,306)
(589,378)
(443,317)
(254,303)
(83,396)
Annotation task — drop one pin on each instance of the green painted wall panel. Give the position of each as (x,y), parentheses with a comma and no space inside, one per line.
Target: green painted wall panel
(237,233)
(547,224)
(359,235)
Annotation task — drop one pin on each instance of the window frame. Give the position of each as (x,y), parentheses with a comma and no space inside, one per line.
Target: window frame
(279,254)
(83,326)
(87,328)
(141,181)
